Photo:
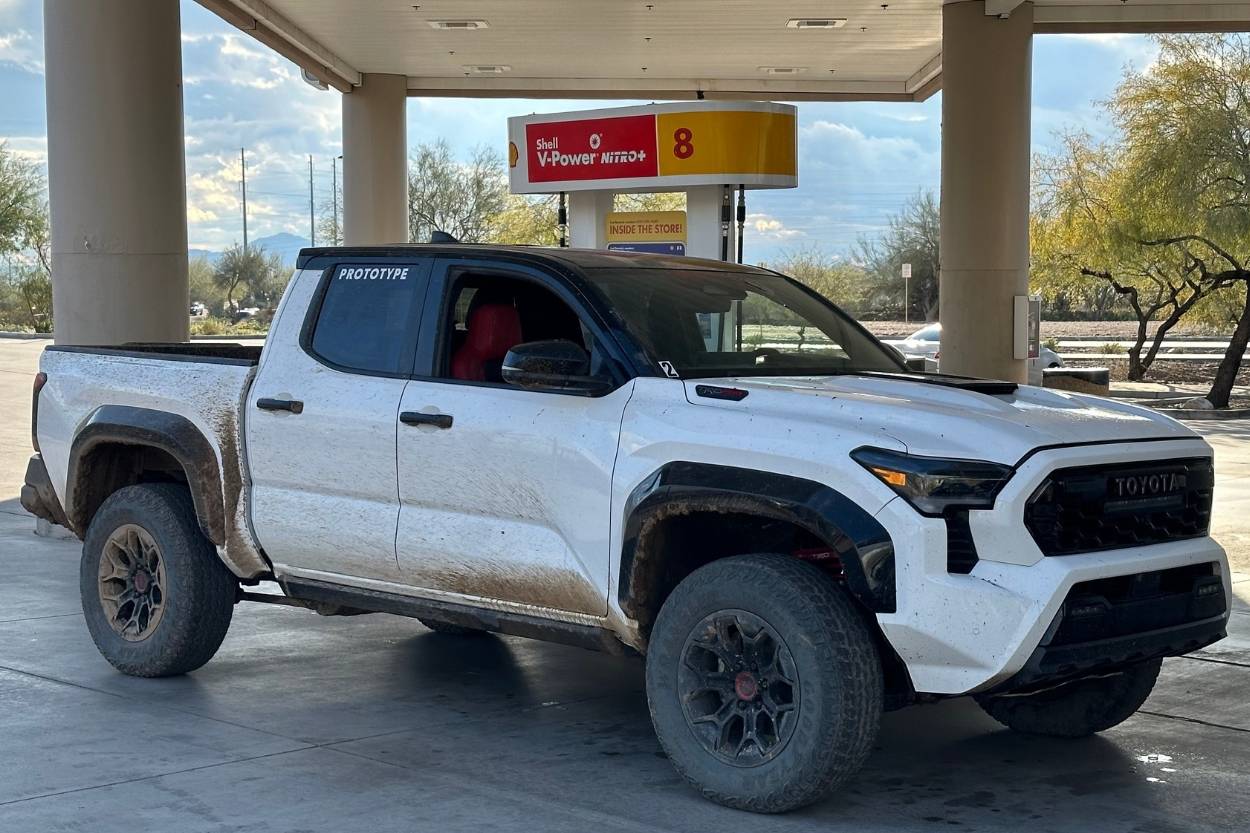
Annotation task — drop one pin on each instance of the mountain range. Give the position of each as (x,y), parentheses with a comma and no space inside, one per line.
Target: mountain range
(286,245)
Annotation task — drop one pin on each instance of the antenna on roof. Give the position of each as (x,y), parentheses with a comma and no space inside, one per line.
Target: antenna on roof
(437,236)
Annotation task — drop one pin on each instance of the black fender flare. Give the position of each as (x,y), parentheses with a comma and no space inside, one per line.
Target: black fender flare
(148,428)
(862,544)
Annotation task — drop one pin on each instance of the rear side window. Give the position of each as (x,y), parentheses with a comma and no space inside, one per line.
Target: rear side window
(368,317)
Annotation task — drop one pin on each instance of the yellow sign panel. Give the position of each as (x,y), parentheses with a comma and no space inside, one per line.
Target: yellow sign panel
(646,227)
(727,142)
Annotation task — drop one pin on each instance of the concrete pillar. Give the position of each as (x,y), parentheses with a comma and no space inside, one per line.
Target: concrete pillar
(588,213)
(116,178)
(986,92)
(703,226)
(375,162)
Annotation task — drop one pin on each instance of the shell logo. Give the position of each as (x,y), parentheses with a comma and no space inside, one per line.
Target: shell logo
(513,154)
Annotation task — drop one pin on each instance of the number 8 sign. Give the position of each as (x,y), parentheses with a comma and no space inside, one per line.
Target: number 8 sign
(726,142)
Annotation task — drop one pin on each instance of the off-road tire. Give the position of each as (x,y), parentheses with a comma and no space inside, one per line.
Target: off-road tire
(199,593)
(1077,709)
(450,629)
(839,680)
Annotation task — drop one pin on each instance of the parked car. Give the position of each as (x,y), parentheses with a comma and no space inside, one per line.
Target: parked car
(198,310)
(927,342)
(702,463)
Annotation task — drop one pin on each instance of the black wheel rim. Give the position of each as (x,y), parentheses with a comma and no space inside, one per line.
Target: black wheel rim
(132,583)
(739,688)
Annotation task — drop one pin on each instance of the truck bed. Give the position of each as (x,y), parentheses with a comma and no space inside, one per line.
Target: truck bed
(204,383)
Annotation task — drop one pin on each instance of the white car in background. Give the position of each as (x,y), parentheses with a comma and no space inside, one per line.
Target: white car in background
(927,342)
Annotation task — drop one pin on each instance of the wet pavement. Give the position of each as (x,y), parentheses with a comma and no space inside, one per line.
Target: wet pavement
(375,723)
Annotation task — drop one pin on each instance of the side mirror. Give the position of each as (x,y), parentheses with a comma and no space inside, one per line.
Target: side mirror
(556,365)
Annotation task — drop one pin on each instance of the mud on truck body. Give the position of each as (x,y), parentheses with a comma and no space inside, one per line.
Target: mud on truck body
(703,464)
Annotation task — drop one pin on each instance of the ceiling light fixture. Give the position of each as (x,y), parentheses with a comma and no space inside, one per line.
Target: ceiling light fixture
(461,25)
(783,70)
(487,69)
(816,22)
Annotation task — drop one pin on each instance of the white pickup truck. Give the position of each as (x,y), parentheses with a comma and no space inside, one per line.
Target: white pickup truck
(706,464)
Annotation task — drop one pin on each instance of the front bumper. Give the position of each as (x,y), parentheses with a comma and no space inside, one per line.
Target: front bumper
(976,631)
(38,497)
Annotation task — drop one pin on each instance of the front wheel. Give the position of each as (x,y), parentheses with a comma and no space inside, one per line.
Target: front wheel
(156,597)
(764,683)
(1079,708)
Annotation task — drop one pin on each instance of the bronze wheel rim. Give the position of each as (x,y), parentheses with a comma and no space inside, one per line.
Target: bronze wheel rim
(132,583)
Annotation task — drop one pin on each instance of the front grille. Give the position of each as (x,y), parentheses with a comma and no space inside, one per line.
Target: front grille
(1093,508)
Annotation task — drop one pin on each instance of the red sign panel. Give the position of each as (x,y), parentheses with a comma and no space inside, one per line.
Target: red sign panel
(613,148)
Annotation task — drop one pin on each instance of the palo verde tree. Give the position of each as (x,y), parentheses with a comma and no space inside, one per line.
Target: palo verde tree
(1161,213)
(1089,224)
(1187,126)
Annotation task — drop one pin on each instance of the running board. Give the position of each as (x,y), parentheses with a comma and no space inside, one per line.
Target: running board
(451,613)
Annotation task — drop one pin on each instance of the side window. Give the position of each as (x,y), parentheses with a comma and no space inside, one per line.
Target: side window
(368,318)
(488,315)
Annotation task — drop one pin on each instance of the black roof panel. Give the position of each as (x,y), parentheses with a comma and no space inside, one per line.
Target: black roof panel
(581,258)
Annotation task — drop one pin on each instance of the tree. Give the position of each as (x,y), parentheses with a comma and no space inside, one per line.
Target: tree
(24,242)
(203,286)
(1089,222)
(841,282)
(1162,213)
(659,201)
(23,213)
(260,272)
(1188,120)
(464,200)
(912,237)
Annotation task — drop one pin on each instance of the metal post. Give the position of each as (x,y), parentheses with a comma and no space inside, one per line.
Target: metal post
(742,216)
(562,221)
(243,169)
(312,214)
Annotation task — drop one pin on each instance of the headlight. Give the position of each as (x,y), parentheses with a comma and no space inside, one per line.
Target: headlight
(931,484)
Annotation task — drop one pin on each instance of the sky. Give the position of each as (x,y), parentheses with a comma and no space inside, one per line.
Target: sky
(859,162)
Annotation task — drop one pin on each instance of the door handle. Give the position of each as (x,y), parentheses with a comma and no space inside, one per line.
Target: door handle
(418,418)
(266,403)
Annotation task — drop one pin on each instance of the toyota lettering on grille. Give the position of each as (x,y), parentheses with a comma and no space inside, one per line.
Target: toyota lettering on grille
(1156,484)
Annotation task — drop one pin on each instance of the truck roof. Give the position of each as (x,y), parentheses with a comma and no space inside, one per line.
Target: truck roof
(580,258)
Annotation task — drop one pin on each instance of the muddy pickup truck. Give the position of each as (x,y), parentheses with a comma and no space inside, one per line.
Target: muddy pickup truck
(704,464)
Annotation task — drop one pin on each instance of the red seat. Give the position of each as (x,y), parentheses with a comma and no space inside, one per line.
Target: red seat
(493,330)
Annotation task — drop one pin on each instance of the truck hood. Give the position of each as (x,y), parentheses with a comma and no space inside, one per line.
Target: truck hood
(947,419)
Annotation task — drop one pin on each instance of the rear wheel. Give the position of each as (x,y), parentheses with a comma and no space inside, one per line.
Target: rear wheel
(764,683)
(1076,709)
(156,598)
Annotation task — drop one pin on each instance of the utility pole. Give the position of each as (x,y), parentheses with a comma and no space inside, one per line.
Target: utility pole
(312,216)
(243,168)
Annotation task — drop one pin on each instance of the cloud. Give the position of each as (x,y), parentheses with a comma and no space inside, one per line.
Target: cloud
(22,50)
(769,227)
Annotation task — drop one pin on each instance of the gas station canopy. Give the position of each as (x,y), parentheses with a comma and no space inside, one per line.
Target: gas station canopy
(879,50)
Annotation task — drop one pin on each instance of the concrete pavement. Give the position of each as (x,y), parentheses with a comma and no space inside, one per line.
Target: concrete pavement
(375,723)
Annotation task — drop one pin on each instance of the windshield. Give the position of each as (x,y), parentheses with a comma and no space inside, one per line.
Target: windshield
(706,322)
